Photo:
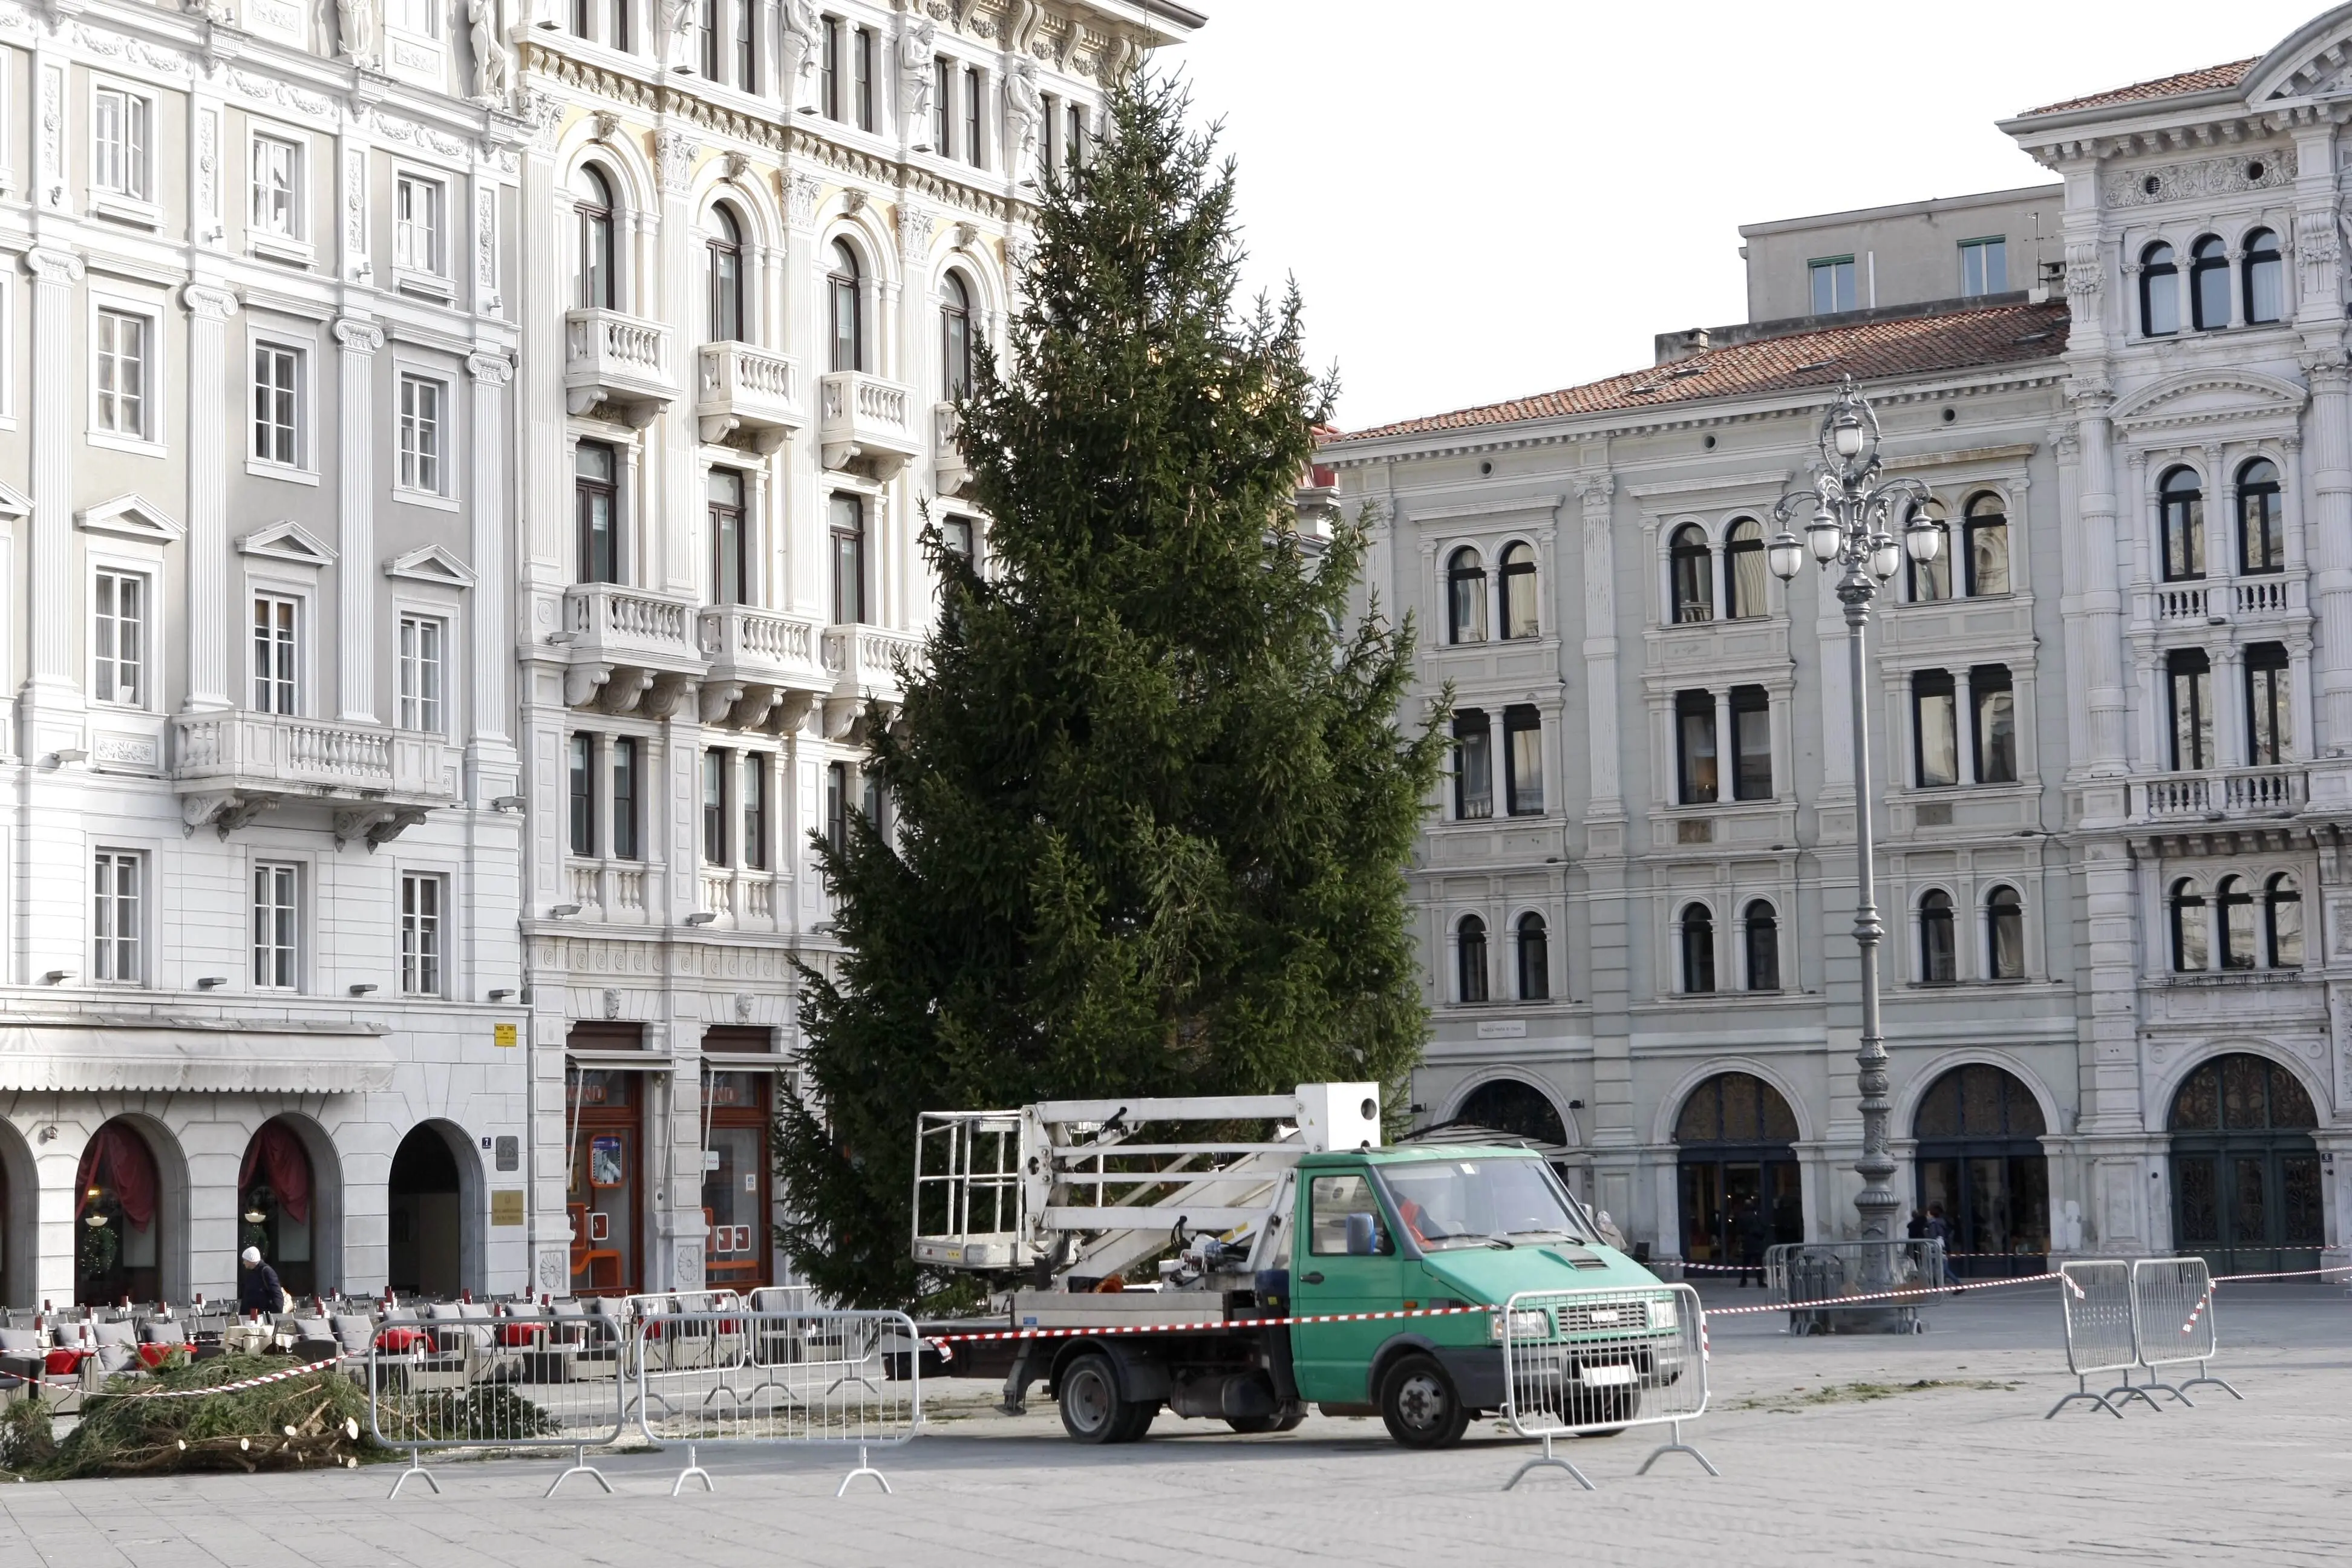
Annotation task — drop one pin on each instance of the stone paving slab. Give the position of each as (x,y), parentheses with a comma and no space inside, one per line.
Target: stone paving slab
(1966,1474)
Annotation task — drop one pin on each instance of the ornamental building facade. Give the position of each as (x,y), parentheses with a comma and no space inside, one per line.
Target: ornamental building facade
(2110,727)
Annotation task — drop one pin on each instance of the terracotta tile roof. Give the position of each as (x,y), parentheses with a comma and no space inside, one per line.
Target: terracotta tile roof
(1867,350)
(2202,80)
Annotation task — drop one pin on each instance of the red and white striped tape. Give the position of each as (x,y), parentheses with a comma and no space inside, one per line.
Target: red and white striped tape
(944,1340)
(1908,1292)
(236,1387)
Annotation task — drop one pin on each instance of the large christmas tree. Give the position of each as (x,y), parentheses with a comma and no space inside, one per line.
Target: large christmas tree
(1152,797)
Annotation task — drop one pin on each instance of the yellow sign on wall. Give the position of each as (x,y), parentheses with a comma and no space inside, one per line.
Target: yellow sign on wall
(505,1205)
(504,1034)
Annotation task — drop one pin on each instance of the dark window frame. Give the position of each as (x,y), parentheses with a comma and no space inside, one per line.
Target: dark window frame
(845,295)
(1470,977)
(2270,705)
(1465,597)
(2004,906)
(1931,685)
(2209,282)
(723,259)
(1751,710)
(752,804)
(2182,544)
(2184,903)
(1987,681)
(1473,766)
(600,556)
(1743,563)
(2262,524)
(626,768)
(599,286)
(2159,306)
(1761,935)
(2192,668)
(1982,523)
(2280,889)
(716,772)
(1940,948)
(730,542)
(1533,940)
(849,557)
(1517,576)
(1698,773)
(580,794)
(2262,268)
(1690,576)
(1523,796)
(2233,900)
(955,338)
(1694,927)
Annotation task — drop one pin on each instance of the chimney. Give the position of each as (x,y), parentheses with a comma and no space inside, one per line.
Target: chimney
(1673,347)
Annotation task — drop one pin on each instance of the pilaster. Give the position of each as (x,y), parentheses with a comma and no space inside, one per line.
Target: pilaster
(209,397)
(358,340)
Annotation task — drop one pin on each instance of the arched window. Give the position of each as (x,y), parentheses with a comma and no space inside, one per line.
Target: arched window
(2261,536)
(1739,1190)
(2235,896)
(2005,934)
(2209,284)
(1698,949)
(845,306)
(1519,617)
(1931,581)
(2266,278)
(2283,917)
(725,247)
(592,203)
(2182,495)
(1762,932)
(955,338)
(1514,1106)
(1986,532)
(1692,569)
(1465,597)
(1938,953)
(2191,937)
(1470,958)
(2160,292)
(1743,571)
(1535,959)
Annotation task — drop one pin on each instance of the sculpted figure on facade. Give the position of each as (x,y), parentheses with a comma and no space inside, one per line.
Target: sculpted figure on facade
(490,73)
(1026,105)
(803,33)
(355,26)
(673,28)
(916,39)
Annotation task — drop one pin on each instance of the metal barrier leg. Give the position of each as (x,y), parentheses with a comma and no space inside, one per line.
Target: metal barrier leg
(416,1469)
(1679,1447)
(579,1467)
(2083,1392)
(863,1469)
(2205,1375)
(2130,1393)
(2154,1386)
(1550,1460)
(692,1468)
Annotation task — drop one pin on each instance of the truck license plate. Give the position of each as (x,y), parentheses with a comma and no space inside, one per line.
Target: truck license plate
(1617,1376)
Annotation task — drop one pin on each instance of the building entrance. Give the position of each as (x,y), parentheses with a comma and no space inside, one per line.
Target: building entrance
(1741,1189)
(2245,1171)
(276,1207)
(426,1217)
(1979,1158)
(605,1199)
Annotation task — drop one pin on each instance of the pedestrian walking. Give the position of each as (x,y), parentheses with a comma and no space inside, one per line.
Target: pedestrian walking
(1939,1229)
(1749,1234)
(257,1289)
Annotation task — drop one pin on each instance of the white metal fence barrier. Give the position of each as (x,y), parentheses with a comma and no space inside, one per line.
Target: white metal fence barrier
(1817,1278)
(797,1377)
(2096,1294)
(1584,1362)
(2173,1324)
(540,1382)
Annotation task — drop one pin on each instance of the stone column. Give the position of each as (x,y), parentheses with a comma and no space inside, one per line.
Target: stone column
(494,585)
(675,478)
(209,310)
(2328,431)
(355,638)
(56,422)
(2101,597)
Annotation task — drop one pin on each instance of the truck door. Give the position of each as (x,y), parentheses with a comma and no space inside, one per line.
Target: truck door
(1350,1265)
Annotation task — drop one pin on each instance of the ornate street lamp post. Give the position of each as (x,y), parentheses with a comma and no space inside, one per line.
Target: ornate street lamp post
(1852,532)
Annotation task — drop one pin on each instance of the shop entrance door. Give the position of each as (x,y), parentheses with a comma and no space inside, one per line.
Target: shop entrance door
(605,1200)
(735,1180)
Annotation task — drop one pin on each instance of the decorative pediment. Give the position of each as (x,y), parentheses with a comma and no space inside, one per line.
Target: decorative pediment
(289,542)
(2313,62)
(14,503)
(431,564)
(130,517)
(2204,399)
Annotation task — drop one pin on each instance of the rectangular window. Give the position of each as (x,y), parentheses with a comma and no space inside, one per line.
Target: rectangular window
(707,27)
(276,400)
(420,434)
(1752,743)
(834,27)
(956,538)
(2189,675)
(747,47)
(273,928)
(119,640)
(417,207)
(975,98)
(117,883)
(1994,724)
(274,653)
(2270,735)
(1832,280)
(595,468)
(1073,146)
(421,17)
(624,799)
(122,350)
(755,810)
(1473,766)
(728,551)
(420,934)
(873,804)
(276,187)
(848,560)
(582,795)
(1335,1200)
(420,673)
(943,106)
(1934,728)
(1984,267)
(1523,780)
(714,807)
(1695,747)
(1050,136)
(836,806)
(120,136)
(864,84)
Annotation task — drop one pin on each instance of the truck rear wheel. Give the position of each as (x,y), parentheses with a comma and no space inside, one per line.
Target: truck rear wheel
(1420,1405)
(1092,1411)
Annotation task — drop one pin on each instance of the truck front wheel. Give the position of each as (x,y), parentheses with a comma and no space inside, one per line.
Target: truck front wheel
(1420,1406)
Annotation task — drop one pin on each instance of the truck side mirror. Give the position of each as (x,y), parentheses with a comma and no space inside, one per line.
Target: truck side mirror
(1363,1236)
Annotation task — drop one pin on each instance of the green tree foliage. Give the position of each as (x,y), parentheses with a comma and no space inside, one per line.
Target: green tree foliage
(1153,802)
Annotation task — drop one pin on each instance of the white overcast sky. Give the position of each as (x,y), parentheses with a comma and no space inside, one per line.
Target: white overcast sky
(1490,198)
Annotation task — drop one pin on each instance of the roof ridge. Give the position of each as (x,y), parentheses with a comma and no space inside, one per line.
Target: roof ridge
(2202,78)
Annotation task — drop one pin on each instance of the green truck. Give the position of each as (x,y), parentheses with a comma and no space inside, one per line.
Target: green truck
(1298,1263)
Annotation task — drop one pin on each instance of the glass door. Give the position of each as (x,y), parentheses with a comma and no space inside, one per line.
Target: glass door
(605,1195)
(735,1182)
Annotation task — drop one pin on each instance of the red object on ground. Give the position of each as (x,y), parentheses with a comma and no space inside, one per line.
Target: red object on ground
(64,1362)
(400,1339)
(513,1335)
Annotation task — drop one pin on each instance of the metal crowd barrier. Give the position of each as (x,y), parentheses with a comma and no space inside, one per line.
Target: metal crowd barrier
(504,1383)
(791,1377)
(2096,1294)
(2173,1324)
(1584,1362)
(1815,1278)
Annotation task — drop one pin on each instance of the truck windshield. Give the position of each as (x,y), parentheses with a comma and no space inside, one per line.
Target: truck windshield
(1450,1204)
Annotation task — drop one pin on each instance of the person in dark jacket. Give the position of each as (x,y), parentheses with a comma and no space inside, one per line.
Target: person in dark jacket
(257,1289)
(1751,1235)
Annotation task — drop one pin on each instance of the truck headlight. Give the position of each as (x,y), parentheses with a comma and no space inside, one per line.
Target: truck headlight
(1527,1323)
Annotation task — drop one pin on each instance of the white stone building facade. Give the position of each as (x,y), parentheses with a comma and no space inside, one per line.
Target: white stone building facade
(2110,736)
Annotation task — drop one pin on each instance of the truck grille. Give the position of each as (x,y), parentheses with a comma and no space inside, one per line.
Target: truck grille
(1601,1317)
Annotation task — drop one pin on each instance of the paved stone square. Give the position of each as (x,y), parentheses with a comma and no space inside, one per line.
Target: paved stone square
(1828,1457)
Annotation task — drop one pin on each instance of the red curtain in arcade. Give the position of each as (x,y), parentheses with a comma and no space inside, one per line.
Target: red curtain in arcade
(115,1252)
(275,1186)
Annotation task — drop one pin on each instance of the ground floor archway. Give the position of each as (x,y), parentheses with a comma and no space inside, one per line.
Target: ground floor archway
(277,1205)
(122,1240)
(426,1212)
(2246,1189)
(1740,1187)
(1980,1165)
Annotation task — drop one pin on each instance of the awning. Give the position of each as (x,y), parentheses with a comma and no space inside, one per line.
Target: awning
(746,1061)
(193,1057)
(622,1062)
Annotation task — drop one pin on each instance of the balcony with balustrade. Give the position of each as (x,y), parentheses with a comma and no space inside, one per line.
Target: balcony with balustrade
(631,649)
(867,422)
(741,389)
(228,767)
(618,365)
(2241,601)
(862,664)
(764,667)
(2192,800)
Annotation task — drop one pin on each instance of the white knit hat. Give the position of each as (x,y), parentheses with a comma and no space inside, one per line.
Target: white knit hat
(251,1255)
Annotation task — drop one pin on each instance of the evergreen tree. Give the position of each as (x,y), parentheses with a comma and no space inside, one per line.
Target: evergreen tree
(1153,800)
